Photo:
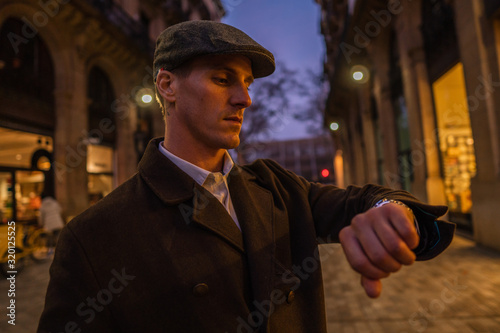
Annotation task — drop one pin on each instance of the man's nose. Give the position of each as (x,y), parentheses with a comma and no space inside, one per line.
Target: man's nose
(241,97)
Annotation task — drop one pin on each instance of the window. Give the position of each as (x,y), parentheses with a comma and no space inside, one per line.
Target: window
(455,138)
(100,169)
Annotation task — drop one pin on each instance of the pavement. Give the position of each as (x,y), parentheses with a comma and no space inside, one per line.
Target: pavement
(457,292)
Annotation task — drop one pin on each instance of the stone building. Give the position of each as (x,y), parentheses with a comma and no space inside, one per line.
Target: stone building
(415,89)
(312,158)
(76,92)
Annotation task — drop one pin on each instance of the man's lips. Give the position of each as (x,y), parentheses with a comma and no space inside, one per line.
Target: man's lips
(235,119)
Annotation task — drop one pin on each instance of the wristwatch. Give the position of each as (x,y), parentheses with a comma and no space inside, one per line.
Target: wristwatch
(386,201)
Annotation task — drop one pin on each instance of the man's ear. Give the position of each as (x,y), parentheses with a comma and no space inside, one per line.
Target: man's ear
(165,85)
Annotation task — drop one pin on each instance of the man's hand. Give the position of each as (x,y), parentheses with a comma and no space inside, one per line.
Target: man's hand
(378,242)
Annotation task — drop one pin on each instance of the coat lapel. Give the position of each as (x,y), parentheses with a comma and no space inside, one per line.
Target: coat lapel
(254,208)
(209,213)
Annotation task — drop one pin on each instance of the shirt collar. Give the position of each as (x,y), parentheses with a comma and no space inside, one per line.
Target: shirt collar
(198,174)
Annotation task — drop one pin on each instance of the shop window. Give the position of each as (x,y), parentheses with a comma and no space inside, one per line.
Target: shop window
(20,195)
(100,169)
(26,171)
(29,186)
(455,139)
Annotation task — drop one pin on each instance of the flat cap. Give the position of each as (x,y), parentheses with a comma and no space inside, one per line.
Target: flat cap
(182,42)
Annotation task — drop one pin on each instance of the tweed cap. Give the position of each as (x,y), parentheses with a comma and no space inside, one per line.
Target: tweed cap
(184,41)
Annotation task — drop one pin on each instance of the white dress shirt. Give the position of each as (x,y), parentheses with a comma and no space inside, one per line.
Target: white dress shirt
(214,182)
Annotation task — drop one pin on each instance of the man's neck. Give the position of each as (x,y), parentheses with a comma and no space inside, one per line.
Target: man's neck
(212,161)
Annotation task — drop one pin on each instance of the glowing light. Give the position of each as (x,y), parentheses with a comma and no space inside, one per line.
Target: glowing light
(334,126)
(325,173)
(147,98)
(360,73)
(358,76)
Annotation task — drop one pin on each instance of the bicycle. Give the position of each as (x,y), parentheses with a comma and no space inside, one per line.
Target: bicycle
(30,240)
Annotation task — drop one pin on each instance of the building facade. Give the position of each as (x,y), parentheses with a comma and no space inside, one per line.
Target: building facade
(76,96)
(312,158)
(415,89)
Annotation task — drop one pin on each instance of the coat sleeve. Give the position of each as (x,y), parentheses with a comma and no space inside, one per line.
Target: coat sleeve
(70,304)
(333,209)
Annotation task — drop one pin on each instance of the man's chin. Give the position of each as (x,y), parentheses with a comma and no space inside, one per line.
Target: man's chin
(233,145)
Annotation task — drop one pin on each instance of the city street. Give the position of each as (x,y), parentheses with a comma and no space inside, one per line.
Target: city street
(454,293)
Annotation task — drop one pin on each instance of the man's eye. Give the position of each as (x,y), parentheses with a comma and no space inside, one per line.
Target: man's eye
(221,80)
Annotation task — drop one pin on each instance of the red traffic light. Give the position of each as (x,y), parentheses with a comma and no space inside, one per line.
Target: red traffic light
(325,173)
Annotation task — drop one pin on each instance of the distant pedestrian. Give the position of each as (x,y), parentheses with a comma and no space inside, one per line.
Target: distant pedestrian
(50,219)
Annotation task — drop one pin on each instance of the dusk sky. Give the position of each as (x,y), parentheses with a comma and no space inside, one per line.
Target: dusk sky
(289,29)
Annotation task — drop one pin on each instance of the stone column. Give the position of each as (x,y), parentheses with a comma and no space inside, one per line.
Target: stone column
(370,141)
(387,122)
(427,184)
(476,41)
(356,146)
(70,150)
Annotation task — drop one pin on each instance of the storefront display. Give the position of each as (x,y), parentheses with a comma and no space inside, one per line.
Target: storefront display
(24,161)
(456,143)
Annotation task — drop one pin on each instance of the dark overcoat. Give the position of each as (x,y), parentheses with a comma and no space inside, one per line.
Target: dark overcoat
(161,254)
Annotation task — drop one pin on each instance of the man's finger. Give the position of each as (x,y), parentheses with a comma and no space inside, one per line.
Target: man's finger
(373,288)
(375,250)
(404,224)
(394,244)
(356,257)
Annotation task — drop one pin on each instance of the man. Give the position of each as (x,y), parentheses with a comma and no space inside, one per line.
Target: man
(195,243)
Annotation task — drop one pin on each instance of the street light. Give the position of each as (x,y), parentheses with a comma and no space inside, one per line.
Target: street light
(144,97)
(360,74)
(147,98)
(334,126)
(357,76)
